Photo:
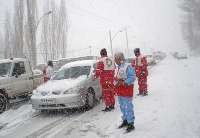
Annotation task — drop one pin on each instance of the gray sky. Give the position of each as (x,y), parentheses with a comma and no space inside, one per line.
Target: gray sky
(4,5)
(152,24)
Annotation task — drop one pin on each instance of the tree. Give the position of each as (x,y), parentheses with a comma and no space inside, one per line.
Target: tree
(31,30)
(46,33)
(54,31)
(1,45)
(191,23)
(18,28)
(63,28)
(8,44)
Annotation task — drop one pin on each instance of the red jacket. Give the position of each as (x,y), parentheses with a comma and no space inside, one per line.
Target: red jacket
(140,65)
(106,76)
(126,91)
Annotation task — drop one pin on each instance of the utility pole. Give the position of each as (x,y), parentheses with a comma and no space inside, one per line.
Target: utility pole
(114,36)
(127,41)
(111,42)
(90,50)
(38,22)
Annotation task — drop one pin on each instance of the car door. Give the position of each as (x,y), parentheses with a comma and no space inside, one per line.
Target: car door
(30,81)
(19,78)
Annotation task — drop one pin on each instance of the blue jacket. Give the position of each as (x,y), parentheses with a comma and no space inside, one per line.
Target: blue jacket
(131,76)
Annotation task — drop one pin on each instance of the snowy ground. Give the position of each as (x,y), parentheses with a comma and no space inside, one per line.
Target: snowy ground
(170,111)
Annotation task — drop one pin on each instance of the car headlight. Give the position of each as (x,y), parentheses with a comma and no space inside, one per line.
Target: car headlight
(71,90)
(77,89)
(56,92)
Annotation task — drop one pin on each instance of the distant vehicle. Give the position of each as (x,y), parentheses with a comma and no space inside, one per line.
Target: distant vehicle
(179,55)
(17,79)
(40,67)
(72,86)
(59,63)
(159,55)
(150,60)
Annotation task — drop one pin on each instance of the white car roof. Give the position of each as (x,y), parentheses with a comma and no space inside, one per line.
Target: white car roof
(12,60)
(79,63)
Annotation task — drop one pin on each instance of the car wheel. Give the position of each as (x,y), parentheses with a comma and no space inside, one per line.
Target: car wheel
(3,103)
(90,99)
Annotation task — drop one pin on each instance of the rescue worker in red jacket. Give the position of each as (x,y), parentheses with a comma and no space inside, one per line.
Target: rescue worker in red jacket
(140,65)
(105,71)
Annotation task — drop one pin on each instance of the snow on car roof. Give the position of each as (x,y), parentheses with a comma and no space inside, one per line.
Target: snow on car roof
(69,58)
(12,60)
(79,63)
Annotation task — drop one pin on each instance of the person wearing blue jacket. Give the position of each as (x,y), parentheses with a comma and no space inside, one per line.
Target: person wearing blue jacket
(124,86)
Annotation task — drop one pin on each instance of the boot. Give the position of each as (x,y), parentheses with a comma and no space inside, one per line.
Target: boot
(139,94)
(145,93)
(112,107)
(130,127)
(123,124)
(107,109)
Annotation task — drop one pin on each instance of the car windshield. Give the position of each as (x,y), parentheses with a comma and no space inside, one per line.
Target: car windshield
(73,72)
(5,69)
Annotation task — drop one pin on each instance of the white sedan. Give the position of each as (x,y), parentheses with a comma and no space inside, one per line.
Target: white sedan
(72,86)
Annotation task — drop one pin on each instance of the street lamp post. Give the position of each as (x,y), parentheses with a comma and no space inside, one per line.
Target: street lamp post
(111,42)
(127,41)
(90,47)
(111,39)
(45,14)
(38,22)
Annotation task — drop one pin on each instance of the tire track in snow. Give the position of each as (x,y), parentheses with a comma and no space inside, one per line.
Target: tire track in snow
(55,125)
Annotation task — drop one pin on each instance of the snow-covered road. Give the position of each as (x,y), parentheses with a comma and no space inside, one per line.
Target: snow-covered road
(170,111)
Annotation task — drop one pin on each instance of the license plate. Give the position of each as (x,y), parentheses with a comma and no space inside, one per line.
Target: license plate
(48,101)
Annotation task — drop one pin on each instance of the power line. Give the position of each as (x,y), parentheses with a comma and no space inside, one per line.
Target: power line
(95,15)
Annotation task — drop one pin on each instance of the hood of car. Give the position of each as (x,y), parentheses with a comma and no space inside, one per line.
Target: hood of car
(60,85)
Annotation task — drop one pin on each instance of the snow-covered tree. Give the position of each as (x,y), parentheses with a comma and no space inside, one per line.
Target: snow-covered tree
(191,23)
(54,31)
(31,28)
(1,45)
(8,37)
(63,28)
(18,22)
